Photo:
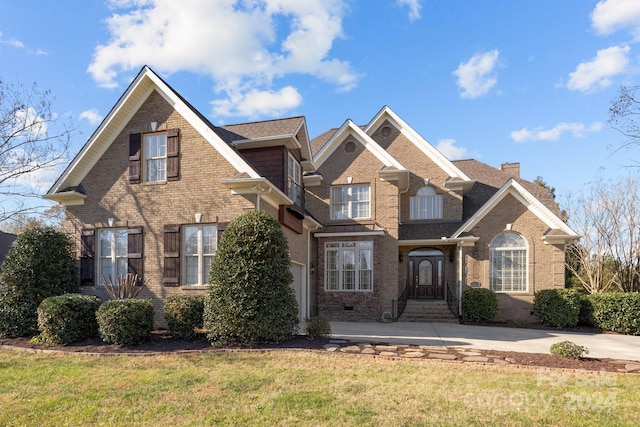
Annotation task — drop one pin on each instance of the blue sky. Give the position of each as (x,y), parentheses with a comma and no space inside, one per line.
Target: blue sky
(526,81)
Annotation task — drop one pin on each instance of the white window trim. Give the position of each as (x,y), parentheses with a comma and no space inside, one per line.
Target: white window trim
(146,159)
(433,205)
(492,254)
(114,256)
(294,175)
(350,201)
(202,281)
(340,251)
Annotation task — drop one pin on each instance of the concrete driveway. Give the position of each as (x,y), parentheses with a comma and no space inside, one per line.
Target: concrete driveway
(600,345)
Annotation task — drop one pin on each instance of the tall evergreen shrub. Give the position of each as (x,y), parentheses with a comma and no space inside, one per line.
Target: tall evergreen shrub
(40,264)
(250,295)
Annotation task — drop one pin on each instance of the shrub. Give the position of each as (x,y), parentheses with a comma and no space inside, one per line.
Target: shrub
(68,318)
(568,349)
(617,312)
(479,304)
(586,310)
(40,264)
(250,297)
(557,307)
(318,327)
(184,313)
(125,321)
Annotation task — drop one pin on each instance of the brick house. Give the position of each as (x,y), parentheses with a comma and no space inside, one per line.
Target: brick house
(373,215)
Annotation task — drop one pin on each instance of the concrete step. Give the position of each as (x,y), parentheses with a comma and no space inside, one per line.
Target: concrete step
(432,311)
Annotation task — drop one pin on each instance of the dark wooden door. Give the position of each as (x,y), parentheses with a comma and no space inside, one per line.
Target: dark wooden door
(427,277)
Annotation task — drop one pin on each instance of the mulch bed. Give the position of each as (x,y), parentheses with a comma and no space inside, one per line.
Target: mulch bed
(162,342)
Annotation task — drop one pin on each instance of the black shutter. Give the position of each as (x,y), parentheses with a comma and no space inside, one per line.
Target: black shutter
(135,259)
(173,154)
(135,162)
(87,257)
(171,273)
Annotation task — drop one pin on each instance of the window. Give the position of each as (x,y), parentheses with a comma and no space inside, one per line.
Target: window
(199,245)
(509,261)
(350,201)
(155,156)
(112,255)
(294,176)
(349,266)
(426,204)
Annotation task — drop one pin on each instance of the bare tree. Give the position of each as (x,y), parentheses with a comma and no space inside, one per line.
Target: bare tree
(608,256)
(32,144)
(624,114)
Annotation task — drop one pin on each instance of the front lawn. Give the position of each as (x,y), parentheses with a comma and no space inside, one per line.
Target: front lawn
(288,387)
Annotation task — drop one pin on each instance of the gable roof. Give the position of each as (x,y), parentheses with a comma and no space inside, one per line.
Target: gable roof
(514,188)
(291,131)
(350,128)
(429,150)
(136,94)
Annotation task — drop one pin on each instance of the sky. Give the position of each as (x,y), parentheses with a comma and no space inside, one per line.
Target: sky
(527,81)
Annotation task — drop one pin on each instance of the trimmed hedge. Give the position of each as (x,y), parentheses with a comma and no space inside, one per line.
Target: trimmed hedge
(557,307)
(184,313)
(250,297)
(126,321)
(40,263)
(64,319)
(479,305)
(616,312)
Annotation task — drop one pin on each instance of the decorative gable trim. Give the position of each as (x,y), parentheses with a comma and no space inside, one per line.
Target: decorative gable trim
(349,128)
(512,187)
(429,150)
(136,94)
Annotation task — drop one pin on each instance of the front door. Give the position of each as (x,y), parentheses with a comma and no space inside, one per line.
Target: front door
(426,275)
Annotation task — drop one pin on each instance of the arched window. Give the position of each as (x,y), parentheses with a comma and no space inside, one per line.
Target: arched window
(509,261)
(426,204)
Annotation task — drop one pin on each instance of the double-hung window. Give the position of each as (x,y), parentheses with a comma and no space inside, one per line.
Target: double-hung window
(509,261)
(155,156)
(350,201)
(426,204)
(199,245)
(348,266)
(112,252)
(294,177)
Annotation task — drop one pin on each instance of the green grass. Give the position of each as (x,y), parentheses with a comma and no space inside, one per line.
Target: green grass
(301,388)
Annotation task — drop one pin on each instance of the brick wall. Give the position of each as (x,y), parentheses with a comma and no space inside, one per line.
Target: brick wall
(152,206)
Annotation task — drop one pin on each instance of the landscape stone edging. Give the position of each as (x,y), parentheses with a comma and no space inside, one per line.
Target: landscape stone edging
(395,358)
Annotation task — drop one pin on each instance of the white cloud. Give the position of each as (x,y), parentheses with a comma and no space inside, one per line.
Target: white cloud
(92,116)
(596,74)
(255,102)
(613,15)
(450,151)
(414,8)
(577,130)
(11,42)
(28,124)
(476,76)
(242,45)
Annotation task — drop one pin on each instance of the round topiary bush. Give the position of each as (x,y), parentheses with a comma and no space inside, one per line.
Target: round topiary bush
(557,307)
(318,327)
(184,314)
(68,318)
(125,321)
(250,297)
(479,305)
(40,264)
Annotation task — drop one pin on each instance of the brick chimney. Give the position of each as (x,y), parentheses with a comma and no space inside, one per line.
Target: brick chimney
(511,169)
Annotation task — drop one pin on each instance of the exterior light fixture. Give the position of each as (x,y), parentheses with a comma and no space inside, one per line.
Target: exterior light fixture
(110,221)
(198,217)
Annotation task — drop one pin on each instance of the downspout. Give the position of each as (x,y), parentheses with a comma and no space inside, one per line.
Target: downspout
(460,263)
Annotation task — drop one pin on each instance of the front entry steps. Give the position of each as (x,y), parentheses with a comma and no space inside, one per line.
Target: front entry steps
(428,311)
